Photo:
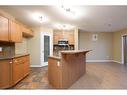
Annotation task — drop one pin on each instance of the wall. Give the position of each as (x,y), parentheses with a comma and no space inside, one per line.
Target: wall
(102,49)
(117,45)
(21,48)
(34,46)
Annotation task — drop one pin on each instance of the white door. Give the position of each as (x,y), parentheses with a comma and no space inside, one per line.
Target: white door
(46,47)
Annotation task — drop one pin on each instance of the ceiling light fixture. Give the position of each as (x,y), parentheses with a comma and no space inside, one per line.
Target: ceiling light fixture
(68,10)
(72,12)
(39,17)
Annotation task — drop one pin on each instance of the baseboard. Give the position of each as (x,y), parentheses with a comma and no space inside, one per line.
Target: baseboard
(103,61)
(117,62)
(35,66)
(99,60)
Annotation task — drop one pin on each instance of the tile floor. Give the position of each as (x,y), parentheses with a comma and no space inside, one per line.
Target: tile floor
(98,76)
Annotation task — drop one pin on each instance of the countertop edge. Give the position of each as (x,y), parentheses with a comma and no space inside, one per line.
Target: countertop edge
(14,56)
(55,57)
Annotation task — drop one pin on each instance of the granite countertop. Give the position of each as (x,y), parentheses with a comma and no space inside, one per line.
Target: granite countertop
(12,56)
(74,51)
(69,52)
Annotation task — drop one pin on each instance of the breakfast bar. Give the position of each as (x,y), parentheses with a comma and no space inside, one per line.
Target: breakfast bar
(63,71)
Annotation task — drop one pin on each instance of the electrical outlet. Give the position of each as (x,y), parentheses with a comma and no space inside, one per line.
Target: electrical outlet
(58,63)
(0,49)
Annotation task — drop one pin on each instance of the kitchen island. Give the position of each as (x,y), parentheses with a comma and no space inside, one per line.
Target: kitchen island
(65,70)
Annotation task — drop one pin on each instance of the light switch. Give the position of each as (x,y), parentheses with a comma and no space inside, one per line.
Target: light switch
(0,49)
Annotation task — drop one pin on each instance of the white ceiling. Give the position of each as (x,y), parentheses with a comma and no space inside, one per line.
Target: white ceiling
(91,19)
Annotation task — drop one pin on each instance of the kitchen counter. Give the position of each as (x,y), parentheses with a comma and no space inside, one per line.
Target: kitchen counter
(63,71)
(12,56)
(55,57)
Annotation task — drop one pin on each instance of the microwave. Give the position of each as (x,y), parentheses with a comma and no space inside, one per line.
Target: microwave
(63,42)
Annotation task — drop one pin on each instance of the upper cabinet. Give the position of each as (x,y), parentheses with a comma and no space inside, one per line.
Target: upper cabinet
(4,29)
(69,35)
(15,32)
(12,31)
(27,32)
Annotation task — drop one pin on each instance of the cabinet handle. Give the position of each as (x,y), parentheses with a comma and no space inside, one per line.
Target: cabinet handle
(10,62)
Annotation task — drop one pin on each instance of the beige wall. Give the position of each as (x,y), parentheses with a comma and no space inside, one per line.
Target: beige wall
(117,45)
(34,45)
(102,49)
(21,48)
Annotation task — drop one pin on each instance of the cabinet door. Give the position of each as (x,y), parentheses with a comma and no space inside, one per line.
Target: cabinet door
(5,73)
(17,70)
(4,29)
(27,32)
(15,32)
(26,65)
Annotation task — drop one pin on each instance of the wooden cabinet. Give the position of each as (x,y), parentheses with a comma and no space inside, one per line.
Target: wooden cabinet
(17,70)
(5,73)
(69,35)
(15,32)
(13,70)
(20,68)
(27,32)
(10,30)
(4,29)
(26,66)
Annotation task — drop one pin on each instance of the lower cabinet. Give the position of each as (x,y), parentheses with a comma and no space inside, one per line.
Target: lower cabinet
(5,73)
(13,70)
(20,68)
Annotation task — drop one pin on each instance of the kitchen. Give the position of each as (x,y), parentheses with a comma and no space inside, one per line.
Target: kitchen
(44,47)
(16,55)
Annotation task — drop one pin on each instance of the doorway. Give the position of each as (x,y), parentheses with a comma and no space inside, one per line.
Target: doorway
(46,47)
(124,49)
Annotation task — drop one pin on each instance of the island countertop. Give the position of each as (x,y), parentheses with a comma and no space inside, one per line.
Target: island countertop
(68,52)
(74,51)
(67,68)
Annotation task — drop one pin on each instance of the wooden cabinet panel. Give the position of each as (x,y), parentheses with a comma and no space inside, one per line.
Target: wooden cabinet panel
(26,65)
(15,32)
(63,35)
(5,73)
(20,68)
(17,70)
(54,73)
(27,32)
(4,29)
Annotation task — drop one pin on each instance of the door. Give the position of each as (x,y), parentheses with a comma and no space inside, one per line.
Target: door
(46,47)
(125,49)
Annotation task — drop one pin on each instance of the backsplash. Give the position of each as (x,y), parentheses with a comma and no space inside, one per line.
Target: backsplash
(21,48)
(7,49)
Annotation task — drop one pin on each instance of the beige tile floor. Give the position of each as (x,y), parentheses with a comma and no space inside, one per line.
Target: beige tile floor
(98,76)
